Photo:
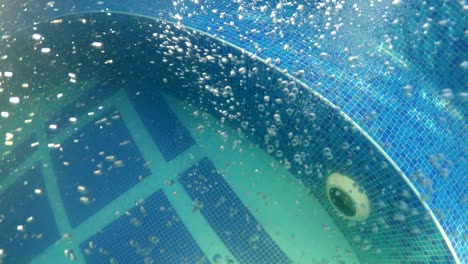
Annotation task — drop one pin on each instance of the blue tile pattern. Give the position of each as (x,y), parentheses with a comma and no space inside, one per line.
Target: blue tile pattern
(423,133)
(151,232)
(102,158)
(394,61)
(167,132)
(22,204)
(227,215)
(297,127)
(18,155)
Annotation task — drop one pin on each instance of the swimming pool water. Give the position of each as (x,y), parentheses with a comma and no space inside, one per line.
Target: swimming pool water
(102,169)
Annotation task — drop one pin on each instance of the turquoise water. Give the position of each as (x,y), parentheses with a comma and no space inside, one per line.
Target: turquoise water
(292,216)
(88,96)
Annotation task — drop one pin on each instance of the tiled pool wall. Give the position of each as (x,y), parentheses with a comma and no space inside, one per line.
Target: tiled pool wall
(306,132)
(421,133)
(383,238)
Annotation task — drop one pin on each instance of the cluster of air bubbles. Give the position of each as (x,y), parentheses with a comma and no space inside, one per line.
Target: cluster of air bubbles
(218,259)
(327,153)
(309,115)
(271,130)
(308,169)
(295,141)
(298,158)
(9,138)
(70,254)
(407,91)
(441,164)
(425,182)
(277,119)
(447,94)
(72,77)
(300,74)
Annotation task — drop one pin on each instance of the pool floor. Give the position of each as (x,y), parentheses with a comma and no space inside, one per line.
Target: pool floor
(253,210)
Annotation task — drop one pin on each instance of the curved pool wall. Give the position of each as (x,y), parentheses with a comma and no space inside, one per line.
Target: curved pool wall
(422,132)
(399,230)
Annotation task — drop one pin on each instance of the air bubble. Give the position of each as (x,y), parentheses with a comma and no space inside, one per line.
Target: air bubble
(464,65)
(96,44)
(270,149)
(14,100)
(399,217)
(292,97)
(82,189)
(84,200)
(37,36)
(294,142)
(45,50)
(279,153)
(244,124)
(297,158)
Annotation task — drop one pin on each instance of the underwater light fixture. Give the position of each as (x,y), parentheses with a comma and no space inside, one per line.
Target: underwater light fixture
(347,198)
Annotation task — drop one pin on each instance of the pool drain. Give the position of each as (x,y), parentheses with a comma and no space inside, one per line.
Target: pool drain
(345,196)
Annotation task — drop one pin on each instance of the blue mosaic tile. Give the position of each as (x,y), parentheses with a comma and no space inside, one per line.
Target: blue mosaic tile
(227,215)
(396,210)
(21,204)
(151,232)
(102,158)
(167,131)
(20,153)
(360,91)
(414,127)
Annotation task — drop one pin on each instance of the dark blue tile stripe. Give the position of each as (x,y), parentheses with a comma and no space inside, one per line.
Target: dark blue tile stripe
(17,156)
(77,163)
(171,137)
(227,215)
(81,105)
(19,203)
(149,233)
